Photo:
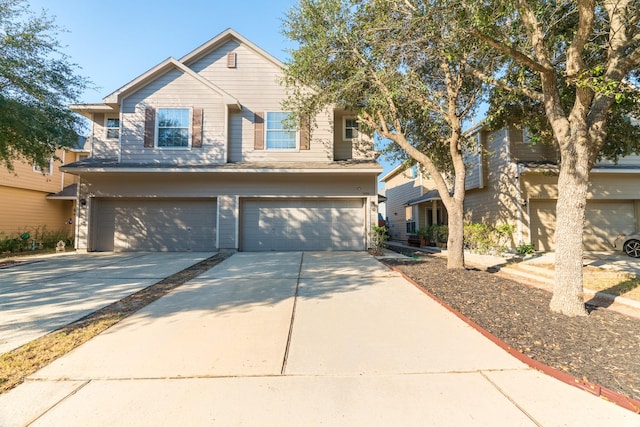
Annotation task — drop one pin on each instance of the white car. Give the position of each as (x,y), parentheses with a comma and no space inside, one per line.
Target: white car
(629,243)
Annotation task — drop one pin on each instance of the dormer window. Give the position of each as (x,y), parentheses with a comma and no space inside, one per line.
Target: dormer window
(113,128)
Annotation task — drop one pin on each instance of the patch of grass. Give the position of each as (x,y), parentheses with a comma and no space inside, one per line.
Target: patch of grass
(628,288)
(17,364)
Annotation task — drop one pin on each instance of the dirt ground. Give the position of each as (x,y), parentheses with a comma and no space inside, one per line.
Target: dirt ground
(602,348)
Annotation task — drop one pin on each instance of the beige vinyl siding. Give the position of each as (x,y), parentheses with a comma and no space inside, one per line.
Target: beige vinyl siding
(174,89)
(522,151)
(498,202)
(23,176)
(228,221)
(473,160)
(399,190)
(28,210)
(255,83)
(342,149)
(602,186)
(100,146)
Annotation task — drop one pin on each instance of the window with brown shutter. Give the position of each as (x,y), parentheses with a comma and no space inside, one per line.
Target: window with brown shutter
(258,131)
(196,128)
(149,127)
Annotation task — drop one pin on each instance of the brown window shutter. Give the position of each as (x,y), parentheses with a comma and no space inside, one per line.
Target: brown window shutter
(231,60)
(258,131)
(149,126)
(305,133)
(196,128)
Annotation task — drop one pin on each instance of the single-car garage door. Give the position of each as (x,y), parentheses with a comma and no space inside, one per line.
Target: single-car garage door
(303,224)
(603,221)
(154,225)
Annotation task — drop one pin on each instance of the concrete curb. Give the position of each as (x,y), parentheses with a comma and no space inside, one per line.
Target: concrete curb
(593,388)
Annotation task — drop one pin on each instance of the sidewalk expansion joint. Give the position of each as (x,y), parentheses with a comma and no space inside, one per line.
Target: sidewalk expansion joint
(513,402)
(293,316)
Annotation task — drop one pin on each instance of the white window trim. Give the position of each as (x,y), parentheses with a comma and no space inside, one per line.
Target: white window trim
(526,139)
(156,134)
(266,132)
(344,128)
(36,168)
(106,127)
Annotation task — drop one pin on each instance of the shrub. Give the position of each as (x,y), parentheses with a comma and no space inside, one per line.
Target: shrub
(38,238)
(380,237)
(525,249)
(483,238)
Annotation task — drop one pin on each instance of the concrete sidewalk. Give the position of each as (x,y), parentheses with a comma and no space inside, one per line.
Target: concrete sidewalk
(297,339)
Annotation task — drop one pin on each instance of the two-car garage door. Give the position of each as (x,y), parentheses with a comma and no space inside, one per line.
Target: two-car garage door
(176,224)
(303,224)
(154,225)
(603,221)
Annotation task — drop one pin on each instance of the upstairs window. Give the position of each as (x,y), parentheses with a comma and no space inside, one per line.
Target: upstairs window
(413,172)
(278,135)
(173,127)
(350,128)
(113,128)
(46,171)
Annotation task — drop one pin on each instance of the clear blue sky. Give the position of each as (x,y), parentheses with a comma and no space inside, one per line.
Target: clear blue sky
(115,41)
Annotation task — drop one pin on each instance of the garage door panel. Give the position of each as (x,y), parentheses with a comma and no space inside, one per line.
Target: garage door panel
(157,225)
(603,221)
(282,225)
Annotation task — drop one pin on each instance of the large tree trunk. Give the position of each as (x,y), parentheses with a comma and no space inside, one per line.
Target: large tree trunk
(455,243)
(573,183)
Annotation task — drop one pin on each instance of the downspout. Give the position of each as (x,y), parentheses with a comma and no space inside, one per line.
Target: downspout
(521,202)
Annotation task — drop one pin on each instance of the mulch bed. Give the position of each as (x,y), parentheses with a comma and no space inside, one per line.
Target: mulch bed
(602,348)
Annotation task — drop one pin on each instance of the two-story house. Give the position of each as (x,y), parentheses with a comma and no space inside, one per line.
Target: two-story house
(412,202)
(197,154)
(512,181)
(36,199)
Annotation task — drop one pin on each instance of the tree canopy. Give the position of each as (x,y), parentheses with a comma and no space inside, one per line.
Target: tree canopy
(398,66)
(37,83)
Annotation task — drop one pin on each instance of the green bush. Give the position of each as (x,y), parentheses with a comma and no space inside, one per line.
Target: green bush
(483,238)
(525,249)
(31,239)
(380,237)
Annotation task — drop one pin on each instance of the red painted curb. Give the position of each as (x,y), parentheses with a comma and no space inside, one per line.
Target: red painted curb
(593,388)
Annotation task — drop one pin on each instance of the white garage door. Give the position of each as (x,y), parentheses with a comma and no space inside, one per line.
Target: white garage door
(603,221)
(309,225)
(178,225)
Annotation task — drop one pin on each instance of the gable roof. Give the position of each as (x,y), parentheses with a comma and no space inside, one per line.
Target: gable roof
(223,38)
(159,70)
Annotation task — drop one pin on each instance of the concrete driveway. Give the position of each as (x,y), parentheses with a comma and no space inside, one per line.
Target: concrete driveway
(49,292)
(297,339)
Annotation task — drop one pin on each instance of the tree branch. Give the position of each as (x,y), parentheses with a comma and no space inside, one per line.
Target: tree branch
(514,53)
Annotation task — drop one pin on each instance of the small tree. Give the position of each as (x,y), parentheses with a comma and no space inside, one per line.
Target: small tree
(37,82)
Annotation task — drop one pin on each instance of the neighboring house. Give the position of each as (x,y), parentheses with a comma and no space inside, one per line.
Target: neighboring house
(412,202)
(193,155)
(36,199)
(512,181)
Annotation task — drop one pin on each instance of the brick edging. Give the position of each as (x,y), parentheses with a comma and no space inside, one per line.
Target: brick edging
(593,388)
